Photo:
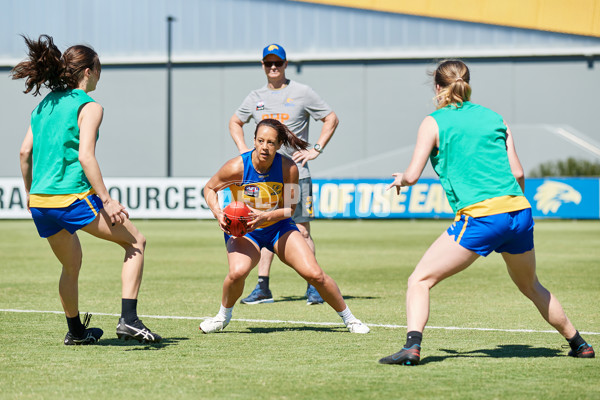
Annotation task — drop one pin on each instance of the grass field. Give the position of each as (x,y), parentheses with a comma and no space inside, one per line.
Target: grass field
(484,339)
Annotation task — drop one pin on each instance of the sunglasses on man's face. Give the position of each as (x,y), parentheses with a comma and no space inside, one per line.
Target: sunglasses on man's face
(269,64)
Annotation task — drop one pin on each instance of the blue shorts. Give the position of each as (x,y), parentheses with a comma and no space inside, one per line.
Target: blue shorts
(510,232)
(267,237)
(50,221)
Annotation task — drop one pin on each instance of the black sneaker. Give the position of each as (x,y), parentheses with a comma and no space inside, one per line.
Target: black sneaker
(410,356)
(136,330)
(90,335)
(583,351)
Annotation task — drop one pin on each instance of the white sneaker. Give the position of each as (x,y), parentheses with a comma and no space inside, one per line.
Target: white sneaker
(214,324)
(357,327)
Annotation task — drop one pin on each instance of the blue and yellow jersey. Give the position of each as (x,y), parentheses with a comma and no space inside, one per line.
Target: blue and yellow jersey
(262,191)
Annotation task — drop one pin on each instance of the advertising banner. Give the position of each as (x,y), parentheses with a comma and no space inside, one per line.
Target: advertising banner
(160,198)
(570,198)
(576,198)
(182,198)
(368,198)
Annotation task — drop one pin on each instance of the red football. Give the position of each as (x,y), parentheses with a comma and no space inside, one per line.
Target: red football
(236,216)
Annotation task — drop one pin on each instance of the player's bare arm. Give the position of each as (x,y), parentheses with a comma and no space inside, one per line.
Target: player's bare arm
(231,172)
(26,161)
(89,121)
(427,140)
(515,164)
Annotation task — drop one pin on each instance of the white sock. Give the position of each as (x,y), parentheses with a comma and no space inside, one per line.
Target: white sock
(225,313)
(347,316)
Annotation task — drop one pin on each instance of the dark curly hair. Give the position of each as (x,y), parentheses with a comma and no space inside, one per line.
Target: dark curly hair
(46,66)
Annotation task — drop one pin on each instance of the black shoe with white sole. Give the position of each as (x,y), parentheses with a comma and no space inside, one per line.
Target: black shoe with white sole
(90,335)
(137,331)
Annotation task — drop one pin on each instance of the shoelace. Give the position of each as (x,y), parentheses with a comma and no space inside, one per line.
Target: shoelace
(566,346)
(142,326)
(139,325)
(143,330)
(86,320)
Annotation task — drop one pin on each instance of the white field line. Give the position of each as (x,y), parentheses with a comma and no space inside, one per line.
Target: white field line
(280,321)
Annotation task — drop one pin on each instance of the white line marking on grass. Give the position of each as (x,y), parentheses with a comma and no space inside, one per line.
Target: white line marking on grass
(281,321)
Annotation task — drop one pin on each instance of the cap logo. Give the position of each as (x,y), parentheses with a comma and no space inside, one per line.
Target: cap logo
(273,47)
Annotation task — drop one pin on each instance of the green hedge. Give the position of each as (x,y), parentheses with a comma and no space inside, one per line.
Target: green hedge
(569,167)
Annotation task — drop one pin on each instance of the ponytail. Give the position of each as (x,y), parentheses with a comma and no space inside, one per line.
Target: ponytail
(453,77)
(284,135)
(43,66)
(46,66)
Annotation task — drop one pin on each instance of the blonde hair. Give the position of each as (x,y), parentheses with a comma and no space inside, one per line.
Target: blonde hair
(453,77)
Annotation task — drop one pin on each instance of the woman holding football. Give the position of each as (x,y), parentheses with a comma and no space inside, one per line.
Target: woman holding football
(267,182)
(472,150)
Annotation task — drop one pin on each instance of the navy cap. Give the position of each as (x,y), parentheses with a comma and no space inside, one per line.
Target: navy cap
(274,49)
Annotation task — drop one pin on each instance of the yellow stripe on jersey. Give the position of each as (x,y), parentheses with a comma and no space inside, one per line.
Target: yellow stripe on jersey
(57,200)
(496,205)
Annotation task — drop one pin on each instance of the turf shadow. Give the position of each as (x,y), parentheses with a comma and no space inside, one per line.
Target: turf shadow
(303,298)
(331,329)
(134,345)
(502,351)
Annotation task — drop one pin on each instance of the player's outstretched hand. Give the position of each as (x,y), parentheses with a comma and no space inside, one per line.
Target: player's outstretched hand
(397,182)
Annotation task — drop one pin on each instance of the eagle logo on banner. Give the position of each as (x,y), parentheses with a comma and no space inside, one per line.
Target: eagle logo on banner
(552,194)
